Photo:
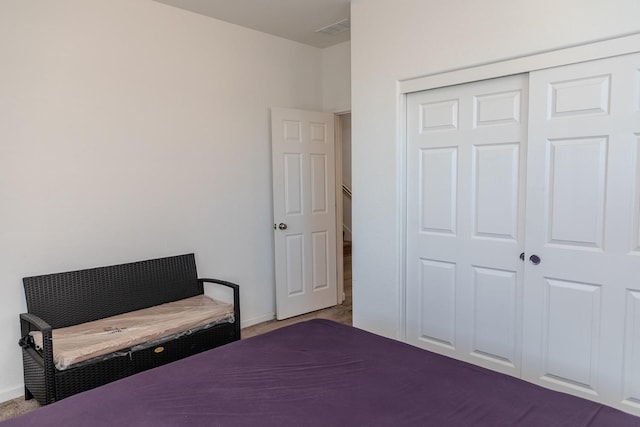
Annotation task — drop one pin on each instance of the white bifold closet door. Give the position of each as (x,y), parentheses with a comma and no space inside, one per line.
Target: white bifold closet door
(465,195)
(582,302)
(568,316)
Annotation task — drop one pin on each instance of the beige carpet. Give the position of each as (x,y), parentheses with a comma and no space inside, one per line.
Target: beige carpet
(340,313)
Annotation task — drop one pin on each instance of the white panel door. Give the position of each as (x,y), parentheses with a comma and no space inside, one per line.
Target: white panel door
(465,224)
(303,154)
(582,300)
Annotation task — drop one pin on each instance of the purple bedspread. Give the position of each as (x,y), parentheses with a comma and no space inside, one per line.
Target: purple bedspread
(321,373)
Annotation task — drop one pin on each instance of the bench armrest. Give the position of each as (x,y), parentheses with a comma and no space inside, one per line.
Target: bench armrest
(236,298)
(30,322)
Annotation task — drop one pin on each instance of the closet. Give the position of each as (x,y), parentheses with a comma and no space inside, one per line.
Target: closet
(523,237)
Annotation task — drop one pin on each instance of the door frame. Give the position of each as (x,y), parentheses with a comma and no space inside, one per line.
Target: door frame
(596,49)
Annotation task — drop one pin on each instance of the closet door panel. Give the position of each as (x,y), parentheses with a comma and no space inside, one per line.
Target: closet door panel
(571,337)
(577,192)
(437,304)
(495,337)
(585,96)
(438,190)
(496,180)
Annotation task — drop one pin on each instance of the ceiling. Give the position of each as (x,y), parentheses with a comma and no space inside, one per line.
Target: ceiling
(295,20)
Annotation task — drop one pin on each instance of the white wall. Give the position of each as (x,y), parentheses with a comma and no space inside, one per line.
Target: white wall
(393,40)
(131,130)
(336,77)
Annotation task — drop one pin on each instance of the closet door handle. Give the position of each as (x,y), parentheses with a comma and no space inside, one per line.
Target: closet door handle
(522,256)
(535,259)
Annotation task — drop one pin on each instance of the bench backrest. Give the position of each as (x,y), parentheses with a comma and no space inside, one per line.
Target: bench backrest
(66,299)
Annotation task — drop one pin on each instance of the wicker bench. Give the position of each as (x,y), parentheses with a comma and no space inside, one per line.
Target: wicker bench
(66,299)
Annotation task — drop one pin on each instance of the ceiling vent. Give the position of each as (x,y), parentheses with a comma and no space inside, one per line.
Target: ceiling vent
(336,28)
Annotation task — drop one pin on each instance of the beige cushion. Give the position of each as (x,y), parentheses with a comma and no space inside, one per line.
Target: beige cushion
(78,343)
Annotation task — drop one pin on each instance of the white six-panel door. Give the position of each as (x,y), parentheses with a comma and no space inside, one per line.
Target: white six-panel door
(466,148)
(568,316)
(582,301)
(303,154)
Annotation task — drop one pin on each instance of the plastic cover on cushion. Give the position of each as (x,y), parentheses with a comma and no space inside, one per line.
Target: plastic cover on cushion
(75,344)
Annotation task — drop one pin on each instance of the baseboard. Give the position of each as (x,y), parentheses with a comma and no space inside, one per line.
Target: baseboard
(11,393)
(255,320)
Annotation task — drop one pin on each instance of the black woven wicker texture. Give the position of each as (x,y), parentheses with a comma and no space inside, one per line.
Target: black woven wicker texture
(65,299)
(185,346)
(86,377)
(34,375)
(75,380)
(75,297)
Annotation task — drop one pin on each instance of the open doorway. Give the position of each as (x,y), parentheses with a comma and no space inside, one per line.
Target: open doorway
(345,195)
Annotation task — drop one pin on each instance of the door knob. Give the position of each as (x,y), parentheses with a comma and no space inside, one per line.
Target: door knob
(535,259)
(282,226)
(522,256)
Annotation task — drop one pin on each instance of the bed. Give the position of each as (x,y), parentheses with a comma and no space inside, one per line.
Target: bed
(321,373)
